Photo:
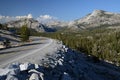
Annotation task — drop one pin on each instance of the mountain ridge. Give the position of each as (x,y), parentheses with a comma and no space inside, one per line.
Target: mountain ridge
(98,18)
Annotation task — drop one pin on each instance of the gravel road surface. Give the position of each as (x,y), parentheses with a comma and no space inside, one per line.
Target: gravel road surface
(32,52)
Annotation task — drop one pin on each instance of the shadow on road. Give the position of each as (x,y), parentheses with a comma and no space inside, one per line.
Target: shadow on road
(8,50)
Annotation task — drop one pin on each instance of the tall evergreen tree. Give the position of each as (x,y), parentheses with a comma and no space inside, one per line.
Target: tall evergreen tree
(25,33)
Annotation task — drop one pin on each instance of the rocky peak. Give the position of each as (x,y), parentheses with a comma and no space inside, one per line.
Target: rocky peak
(97,12)
(98,18)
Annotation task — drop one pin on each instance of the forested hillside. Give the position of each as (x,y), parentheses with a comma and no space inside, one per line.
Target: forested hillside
(100,43)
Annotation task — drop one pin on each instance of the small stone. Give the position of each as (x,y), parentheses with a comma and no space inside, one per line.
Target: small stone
(66,76)
(34,76)
(36,66)
(33,71)
(66,49)
(60,62)
(41,76)
(4,72)
(11,77)
(37,74)
(13,72)
(13,65)
(63,46)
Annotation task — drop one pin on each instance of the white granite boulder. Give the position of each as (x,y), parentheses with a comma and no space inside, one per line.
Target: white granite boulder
(37,73)
(26,66)
(34,76)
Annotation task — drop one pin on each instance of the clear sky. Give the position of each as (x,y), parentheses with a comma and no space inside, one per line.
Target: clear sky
(62,9)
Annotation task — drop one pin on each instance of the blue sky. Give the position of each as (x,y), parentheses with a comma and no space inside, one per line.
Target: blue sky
(62,9)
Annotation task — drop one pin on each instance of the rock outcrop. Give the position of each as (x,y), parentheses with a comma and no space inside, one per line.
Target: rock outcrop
(31,23)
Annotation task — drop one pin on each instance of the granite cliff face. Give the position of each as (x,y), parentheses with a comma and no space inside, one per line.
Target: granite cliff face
(31,23)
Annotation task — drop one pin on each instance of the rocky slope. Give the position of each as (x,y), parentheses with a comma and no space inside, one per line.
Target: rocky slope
(31,23)
(14,39)
(66,64)
(98,18)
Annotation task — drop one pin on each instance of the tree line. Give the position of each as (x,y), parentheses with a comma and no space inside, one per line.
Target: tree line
(102,43)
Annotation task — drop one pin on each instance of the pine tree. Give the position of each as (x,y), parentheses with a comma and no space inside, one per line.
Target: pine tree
(25,33)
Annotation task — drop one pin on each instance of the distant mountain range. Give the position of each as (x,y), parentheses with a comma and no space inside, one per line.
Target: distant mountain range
(98,18)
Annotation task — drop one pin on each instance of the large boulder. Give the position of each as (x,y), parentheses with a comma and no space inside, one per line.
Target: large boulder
(26,66)
(34,73)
